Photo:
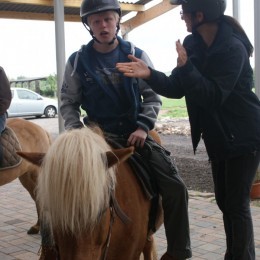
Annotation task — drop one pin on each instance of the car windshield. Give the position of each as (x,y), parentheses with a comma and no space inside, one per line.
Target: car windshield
(24,94)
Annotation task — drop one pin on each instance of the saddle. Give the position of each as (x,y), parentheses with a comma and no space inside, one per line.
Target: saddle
(141,170)
(10,145)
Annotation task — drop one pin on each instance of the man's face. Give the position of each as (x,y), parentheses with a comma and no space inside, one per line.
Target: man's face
(104,25)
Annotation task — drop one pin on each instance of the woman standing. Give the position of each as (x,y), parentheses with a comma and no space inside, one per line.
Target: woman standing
(214,75)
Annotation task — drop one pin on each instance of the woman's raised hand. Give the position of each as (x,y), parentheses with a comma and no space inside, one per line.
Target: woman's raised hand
(182,54)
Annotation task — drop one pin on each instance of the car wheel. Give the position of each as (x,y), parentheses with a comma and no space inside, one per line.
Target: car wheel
(50,111)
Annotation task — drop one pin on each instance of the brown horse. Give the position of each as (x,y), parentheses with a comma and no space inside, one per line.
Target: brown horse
(31,138)
(79,175)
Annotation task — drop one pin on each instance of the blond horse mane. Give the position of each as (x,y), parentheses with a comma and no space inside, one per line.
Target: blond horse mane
(74,183)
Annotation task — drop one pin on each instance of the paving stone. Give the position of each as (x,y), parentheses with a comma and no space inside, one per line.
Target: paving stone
(207,233)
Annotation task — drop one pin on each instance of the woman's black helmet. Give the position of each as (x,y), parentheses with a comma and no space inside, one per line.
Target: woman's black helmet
(212,9)
(89,7)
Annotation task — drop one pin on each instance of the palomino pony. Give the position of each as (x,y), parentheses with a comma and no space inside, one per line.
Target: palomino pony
(92,201)
(31,138)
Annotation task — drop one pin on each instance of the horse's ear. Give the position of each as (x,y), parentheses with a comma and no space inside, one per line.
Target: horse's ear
(35,158)
(119,155)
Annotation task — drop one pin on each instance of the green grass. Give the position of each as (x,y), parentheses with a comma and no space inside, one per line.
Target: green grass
(173,108)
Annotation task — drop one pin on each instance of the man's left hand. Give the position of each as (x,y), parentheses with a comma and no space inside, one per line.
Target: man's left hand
(137,138)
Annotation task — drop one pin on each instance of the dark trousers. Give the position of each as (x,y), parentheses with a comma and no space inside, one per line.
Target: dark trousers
(174,198)
(233,179)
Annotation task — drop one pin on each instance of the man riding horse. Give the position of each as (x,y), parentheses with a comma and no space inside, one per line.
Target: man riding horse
(125,109)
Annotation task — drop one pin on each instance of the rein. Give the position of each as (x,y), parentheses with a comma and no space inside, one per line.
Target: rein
(112,219)
(114,209)
(119,212)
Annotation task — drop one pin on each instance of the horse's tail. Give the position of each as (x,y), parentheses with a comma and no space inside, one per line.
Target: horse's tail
(74,184)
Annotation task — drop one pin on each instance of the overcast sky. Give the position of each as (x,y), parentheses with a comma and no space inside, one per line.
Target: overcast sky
(27,48)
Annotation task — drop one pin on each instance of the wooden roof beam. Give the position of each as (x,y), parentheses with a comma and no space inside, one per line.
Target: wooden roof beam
(73,3)
(132,7)
(146,16)
(67,3)
(36,16)
(30,2)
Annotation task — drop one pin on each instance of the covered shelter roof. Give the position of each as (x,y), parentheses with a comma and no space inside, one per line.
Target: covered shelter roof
(139,11)
(28,83)
(143,11)
(43,9)
(28,80)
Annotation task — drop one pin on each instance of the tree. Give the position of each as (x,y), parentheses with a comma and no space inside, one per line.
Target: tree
(49,87)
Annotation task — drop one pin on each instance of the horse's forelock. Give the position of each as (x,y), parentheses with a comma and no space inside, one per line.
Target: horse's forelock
(75,183)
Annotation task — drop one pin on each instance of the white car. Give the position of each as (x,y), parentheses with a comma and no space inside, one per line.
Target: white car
(29,103)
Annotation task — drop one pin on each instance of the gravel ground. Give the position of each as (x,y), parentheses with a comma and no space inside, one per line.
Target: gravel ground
(195,169)
(175,135)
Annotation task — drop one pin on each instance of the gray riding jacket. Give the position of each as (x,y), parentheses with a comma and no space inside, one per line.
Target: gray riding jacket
(82,86)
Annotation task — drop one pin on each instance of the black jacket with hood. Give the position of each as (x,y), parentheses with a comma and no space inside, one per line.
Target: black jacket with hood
(217,84)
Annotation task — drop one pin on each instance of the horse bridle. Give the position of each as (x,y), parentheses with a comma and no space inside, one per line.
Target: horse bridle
(114,209)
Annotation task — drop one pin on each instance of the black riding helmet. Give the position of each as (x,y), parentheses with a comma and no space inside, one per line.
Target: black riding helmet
(89,7)
(212,9)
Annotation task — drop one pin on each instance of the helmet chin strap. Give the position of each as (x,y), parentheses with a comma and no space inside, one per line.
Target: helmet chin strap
(114,38)
(196,26)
